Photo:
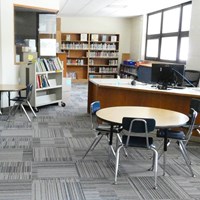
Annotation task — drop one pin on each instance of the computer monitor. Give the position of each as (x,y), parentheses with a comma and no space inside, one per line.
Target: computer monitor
(167,74)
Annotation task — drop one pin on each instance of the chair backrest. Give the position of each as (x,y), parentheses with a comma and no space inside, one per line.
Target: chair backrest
(135,125)
(29,89)
(195,104)
(193,76)
(94,107)
(193,116)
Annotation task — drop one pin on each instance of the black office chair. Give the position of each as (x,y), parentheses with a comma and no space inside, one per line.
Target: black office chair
(193,77)
(101,129)
(20,100)
(131,127)
(181,138)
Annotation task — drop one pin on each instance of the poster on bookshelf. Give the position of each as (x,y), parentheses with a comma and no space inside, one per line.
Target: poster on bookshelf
(83,37)
(113,38)
(104,38)
(95,37)
(68,37)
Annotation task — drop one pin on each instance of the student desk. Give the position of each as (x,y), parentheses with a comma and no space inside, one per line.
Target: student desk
(113,92)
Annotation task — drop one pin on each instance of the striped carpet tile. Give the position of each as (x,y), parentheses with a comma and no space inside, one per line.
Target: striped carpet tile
(57,189)
(167,188)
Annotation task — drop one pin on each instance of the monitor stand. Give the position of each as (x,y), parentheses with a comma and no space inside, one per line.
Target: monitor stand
(162,87)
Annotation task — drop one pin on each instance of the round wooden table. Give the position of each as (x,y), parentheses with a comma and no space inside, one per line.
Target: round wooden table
(164,118)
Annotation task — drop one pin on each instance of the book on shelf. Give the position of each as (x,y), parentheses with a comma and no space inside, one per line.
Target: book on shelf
(83,37)
(52,82)
(42,81)
(51,64)
(95,37)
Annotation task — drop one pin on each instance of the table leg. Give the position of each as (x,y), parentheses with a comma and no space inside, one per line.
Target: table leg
(111,141)
(9,98)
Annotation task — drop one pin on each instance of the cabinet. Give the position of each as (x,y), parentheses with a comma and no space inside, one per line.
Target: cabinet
(46,77)
(90,55)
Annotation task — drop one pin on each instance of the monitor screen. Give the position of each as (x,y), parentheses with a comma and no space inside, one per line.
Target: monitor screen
(167,74)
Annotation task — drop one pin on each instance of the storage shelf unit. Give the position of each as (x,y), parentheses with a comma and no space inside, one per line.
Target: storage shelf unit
(128,71)
(47,83)
(75,46)
(89,55)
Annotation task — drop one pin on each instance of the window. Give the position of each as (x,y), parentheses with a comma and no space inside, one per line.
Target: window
(167,37)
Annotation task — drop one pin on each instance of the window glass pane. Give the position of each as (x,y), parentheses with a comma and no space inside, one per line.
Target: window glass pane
(154,24)
(152,48)
(169,48)
(171,20)
(186,18)
(184,48)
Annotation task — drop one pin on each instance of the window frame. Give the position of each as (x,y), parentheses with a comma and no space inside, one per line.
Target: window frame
(161,35)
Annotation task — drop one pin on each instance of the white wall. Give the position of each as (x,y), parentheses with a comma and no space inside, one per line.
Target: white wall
(0,43)
(9,71)
(138,30)
(120,26)
(194,39)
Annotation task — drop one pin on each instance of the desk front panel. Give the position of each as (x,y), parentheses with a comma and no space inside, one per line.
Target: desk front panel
(114,96)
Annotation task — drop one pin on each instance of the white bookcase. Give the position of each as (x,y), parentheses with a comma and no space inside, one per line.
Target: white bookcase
(47,83)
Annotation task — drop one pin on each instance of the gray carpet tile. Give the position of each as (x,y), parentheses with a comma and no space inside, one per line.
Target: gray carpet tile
(57,189)
(15,190)
(42,160)
(167,188)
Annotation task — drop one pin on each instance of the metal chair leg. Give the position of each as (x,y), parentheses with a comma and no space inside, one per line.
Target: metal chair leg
(25,112)
(117,163)
(93,145)
(155,159)
(31,108)
(186,159)
(120,140)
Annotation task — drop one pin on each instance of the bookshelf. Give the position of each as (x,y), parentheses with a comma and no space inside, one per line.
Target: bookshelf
(103,55)
(46,76)
(75,46)
(88,55)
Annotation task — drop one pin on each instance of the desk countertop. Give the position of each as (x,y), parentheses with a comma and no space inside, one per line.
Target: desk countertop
(126,84)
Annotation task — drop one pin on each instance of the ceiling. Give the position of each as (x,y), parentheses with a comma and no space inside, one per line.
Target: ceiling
(112,8)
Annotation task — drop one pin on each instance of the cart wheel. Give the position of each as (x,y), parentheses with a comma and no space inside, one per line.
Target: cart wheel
(36,109)
(62,104)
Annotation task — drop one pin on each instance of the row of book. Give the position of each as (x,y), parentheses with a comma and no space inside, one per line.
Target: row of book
(104,46)
(103,70)
(75,61)
(42,81)
(110,62)
(51,64)
(74,46)
(102,54)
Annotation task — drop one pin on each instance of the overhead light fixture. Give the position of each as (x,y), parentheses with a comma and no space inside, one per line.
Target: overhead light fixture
(116,6)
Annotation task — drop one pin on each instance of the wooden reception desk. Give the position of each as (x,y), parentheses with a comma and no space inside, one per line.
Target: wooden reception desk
(111,92)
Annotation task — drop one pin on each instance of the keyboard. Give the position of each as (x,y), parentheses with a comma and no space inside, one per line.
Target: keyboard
(176,87)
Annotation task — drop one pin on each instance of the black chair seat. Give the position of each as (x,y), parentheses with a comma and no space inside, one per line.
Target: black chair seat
(179,135)
(18,99)
(136,141)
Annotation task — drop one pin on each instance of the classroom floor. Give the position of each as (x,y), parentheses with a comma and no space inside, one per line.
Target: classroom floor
(42,160)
